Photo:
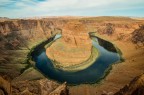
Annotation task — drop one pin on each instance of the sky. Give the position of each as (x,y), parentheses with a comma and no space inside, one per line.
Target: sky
(33,8)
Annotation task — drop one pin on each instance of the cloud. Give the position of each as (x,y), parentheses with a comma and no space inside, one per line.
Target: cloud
(25,8)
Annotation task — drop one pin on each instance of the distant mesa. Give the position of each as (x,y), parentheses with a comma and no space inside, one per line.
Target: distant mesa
(3,19)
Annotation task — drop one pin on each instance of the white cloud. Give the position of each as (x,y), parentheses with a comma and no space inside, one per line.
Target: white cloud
(67,7)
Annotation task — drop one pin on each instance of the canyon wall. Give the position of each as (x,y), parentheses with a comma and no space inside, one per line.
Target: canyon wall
(18,36)
(21,35)
(16,33)
(135,87)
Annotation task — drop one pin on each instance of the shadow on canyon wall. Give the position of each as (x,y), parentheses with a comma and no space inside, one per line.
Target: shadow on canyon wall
(17,37)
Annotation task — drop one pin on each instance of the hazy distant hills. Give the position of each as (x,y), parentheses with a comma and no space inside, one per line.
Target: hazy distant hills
(99,18)
(4,18)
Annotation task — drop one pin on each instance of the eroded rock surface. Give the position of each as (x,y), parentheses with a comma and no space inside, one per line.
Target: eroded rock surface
(136,87)
(34,87)
(138,35)
(73,48)
(18,36)
(38,87)
(5,87)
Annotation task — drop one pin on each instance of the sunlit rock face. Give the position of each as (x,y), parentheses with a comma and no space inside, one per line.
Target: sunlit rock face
(73,48)
(76,34)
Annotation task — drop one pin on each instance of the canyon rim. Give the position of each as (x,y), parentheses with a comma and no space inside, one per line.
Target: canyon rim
(87,48)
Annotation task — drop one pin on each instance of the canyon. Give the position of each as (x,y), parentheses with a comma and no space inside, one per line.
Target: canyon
(19,36)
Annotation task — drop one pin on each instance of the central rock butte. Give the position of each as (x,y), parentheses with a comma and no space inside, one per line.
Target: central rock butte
(73,48)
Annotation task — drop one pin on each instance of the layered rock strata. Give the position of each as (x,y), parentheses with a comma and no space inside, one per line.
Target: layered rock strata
(135,87)
(73,48)
(18,34)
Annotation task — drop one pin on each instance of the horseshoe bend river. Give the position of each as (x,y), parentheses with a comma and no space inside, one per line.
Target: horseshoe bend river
(108,55)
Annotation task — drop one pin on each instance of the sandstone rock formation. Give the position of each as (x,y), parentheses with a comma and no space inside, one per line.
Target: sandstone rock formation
(17,33)
(5,87)
(61,90)
(73,48)
(38,87)
(35,87)
(136,87)
(138,35)
(17,36)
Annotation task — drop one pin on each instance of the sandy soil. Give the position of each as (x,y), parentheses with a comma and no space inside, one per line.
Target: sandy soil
(120,75)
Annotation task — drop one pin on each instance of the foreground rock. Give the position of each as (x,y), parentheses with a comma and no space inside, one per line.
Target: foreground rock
(5,87)
(35,87)
(38,87)
(136,87)
(61,90)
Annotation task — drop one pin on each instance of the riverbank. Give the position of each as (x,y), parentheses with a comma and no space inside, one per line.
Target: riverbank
(81,66)
(105,65)
(74,59)
(120,75)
